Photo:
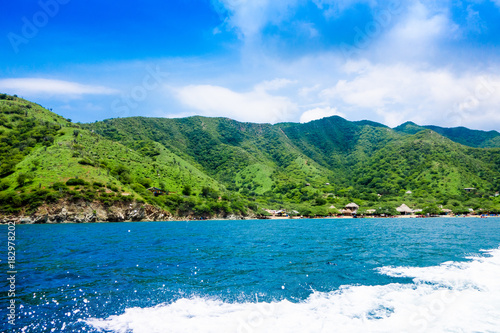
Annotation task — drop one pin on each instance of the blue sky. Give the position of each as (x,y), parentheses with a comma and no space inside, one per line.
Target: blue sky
(431,62)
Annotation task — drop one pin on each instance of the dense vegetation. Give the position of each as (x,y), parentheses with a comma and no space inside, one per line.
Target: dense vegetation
(218,166)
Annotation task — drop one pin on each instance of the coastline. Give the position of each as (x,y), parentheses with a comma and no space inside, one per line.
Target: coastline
(46,219)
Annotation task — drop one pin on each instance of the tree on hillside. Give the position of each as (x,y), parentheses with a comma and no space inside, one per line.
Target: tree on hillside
(432,210)
(186,190)
(24,178)
(208,192)
(387,210)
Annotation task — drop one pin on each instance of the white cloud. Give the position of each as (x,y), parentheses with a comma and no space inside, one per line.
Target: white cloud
(474,21)
(250,16)
(319,113)
(306,91)
(417,35)
(333,8)
(37,86)
(397,93)
(275,84)
(253,106)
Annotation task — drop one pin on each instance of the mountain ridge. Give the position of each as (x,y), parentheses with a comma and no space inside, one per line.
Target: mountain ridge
(463,135)
(221,167)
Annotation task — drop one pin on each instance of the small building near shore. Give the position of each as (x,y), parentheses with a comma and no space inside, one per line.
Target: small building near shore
(277,213)
(281,213)
(157,191)
(350,209)
(447,211)
(404,210)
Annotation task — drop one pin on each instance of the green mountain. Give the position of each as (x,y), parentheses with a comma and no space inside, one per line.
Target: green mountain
(46,159)
(465,136)
(227,150)
(218,166)
(289,164)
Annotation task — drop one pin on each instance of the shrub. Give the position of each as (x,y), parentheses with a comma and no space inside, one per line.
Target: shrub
(112,187)
(320,202)
(321,211)
(238,206)
(208,192)
(262,212)
(139,188)
(4,185)
(146,182)
(76,181)
(85,162)
(52,197)
(173,201)
(432,210)
(24,178)
(77,196)
(186,190)
(306,212)
(89,196)
(124,198)
(186,207)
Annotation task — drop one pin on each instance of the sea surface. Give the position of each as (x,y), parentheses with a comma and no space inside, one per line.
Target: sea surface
(328,275)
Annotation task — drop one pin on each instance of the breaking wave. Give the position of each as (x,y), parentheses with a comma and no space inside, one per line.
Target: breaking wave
(451,297)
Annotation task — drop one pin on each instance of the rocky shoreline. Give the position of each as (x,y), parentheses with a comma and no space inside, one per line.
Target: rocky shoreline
(94,212)
(87,212)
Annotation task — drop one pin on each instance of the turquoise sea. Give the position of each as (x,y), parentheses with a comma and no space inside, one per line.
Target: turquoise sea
(344,275)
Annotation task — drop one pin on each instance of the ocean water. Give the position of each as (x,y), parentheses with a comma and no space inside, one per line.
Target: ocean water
(351,275)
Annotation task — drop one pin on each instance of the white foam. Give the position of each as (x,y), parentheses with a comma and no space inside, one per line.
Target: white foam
(452,297)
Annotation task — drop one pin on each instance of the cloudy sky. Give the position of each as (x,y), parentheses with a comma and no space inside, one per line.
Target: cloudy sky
(431,62)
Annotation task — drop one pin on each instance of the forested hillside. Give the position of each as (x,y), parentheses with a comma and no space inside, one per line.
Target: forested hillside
(209,167)
(465,136)
(46,159)
(327,162)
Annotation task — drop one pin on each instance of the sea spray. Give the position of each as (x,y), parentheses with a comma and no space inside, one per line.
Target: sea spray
(451,297)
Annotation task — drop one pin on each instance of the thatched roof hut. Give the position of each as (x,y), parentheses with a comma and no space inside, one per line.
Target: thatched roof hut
(352,206)
(447,211)
(404,209)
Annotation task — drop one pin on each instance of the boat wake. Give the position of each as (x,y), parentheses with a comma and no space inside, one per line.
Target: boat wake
(451,297)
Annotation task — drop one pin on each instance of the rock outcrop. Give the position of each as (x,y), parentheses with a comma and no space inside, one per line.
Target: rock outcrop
(85,212)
